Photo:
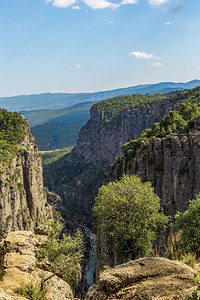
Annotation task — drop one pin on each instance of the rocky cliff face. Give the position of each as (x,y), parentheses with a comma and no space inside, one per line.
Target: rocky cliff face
(100,140)
(172,165)
(77,176)
(22,196)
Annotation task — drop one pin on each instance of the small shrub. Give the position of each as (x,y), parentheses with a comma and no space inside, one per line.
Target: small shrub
(104,268)
(32,291)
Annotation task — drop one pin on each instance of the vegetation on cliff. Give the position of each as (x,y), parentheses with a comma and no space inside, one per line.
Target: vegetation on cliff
(111,107)
(64,253)
(129,212)
(180,121)
(49,157)
(11,134)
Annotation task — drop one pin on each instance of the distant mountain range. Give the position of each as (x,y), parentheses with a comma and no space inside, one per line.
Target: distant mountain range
(60,100)
(56,119)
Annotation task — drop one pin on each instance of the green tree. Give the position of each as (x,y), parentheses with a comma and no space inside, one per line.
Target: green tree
(64,252)
(188,225)
(130,213)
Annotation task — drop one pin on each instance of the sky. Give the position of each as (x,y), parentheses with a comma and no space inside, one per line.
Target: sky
(94,45)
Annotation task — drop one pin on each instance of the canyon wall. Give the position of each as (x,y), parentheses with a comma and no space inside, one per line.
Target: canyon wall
(100,140)
(23,199)
(172,165)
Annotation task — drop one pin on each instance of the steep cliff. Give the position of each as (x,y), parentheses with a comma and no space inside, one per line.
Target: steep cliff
(169,160)
(116,121)
(22,196)
(77,176)
(170,163)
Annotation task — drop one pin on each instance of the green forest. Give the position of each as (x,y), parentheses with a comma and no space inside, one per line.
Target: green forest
(111,107)
(180,121)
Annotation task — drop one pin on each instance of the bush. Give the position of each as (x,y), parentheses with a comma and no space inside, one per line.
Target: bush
(31,291)
(188,225)
(130,213)
(64,252)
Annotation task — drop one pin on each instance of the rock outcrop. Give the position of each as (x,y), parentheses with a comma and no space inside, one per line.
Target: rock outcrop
(146,278)
(100,140)
(18,263)
(22,196)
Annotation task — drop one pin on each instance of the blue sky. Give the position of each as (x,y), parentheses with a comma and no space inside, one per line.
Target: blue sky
(93,45)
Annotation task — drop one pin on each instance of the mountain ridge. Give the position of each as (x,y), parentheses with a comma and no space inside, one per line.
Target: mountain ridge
(60,100)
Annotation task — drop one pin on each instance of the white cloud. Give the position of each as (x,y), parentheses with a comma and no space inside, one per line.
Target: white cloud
(76,7)
(95,4)
(157,64)
(99,4)
(167,23)
(78,66)
(141,55)
(18,24)
(109,21)
(158,2)
(61,3)
(129,2)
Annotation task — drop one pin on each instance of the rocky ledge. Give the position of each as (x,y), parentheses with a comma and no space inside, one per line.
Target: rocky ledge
(146,278)
(18,263)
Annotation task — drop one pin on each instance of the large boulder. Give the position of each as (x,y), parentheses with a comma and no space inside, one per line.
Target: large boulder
(146,278)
